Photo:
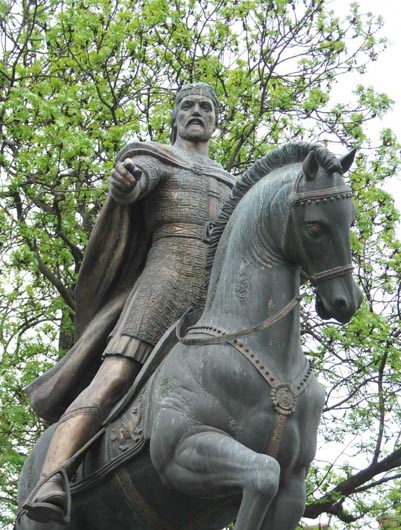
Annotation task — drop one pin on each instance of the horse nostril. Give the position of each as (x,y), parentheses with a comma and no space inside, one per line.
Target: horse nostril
(341,304)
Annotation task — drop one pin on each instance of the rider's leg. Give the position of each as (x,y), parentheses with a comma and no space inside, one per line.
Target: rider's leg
(81,421)
(85,415)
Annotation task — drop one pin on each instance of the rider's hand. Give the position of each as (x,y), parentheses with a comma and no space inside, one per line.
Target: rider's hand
(123,180)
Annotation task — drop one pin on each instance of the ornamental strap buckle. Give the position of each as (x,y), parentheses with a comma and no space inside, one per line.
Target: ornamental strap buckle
(284,399)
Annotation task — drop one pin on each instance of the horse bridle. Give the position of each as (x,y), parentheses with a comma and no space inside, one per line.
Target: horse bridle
(301,199)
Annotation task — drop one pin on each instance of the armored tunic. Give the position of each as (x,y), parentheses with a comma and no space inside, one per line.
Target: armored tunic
(179,204)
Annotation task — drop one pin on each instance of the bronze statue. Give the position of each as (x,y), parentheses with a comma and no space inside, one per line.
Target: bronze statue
(148,252)
(226,426)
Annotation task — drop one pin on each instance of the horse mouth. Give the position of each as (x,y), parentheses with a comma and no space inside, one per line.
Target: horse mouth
(320,309)
(342,315)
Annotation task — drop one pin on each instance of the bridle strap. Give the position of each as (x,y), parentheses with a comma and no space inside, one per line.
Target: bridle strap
(328,274)
(325,194)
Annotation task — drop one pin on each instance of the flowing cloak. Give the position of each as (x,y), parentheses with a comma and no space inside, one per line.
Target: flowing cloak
(113,260)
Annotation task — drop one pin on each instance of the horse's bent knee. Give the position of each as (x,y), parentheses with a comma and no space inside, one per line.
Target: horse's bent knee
(264,476)
(162,445)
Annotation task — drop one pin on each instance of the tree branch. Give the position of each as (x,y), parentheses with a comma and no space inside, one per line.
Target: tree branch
(331,501)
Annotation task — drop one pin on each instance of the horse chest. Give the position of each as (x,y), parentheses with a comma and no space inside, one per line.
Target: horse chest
(257,420)
(222,389)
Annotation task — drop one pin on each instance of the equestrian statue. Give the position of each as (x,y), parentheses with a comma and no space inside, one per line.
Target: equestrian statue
(220,423)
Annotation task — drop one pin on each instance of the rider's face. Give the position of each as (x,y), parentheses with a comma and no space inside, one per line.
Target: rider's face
(195,119)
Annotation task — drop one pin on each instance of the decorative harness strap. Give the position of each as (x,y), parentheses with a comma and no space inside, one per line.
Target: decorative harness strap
(283,395)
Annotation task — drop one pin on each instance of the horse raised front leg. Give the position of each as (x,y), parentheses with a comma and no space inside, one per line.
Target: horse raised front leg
(210,464)
(288,506)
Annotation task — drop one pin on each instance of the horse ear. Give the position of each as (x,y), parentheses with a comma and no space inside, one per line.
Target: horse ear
(346,161)
(310,166)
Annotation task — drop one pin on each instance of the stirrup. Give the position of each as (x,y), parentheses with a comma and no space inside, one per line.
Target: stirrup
(44,512)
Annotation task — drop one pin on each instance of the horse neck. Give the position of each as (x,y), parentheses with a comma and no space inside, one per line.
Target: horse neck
(255,282)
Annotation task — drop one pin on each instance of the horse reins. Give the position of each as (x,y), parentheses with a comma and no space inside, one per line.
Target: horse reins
(223,336)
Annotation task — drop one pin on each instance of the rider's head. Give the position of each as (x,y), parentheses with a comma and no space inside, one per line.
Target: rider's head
(197,89)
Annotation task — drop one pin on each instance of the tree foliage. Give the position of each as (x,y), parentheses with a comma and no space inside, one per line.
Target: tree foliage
(79,78)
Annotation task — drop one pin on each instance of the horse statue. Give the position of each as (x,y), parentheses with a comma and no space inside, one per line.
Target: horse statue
(225,428)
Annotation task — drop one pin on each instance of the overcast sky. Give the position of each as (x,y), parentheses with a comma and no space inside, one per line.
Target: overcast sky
(384,74)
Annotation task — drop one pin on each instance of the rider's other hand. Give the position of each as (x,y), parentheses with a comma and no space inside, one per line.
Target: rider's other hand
(123,180)
(125,175)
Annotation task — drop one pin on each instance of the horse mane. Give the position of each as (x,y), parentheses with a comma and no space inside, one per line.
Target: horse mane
(290,153)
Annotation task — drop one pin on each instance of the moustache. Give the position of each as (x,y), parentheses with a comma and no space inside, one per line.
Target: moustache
(195,120)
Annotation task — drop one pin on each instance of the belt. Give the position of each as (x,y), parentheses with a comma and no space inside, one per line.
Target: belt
(190,230)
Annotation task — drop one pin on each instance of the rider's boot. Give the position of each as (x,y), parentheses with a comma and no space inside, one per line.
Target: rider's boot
(50,500)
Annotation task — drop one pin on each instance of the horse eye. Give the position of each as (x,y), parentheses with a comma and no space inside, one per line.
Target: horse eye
(314,229)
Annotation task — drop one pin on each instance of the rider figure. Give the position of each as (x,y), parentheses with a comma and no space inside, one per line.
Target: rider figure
(178,191)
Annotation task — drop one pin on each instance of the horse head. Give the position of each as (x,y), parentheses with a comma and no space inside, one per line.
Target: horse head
(321,213)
